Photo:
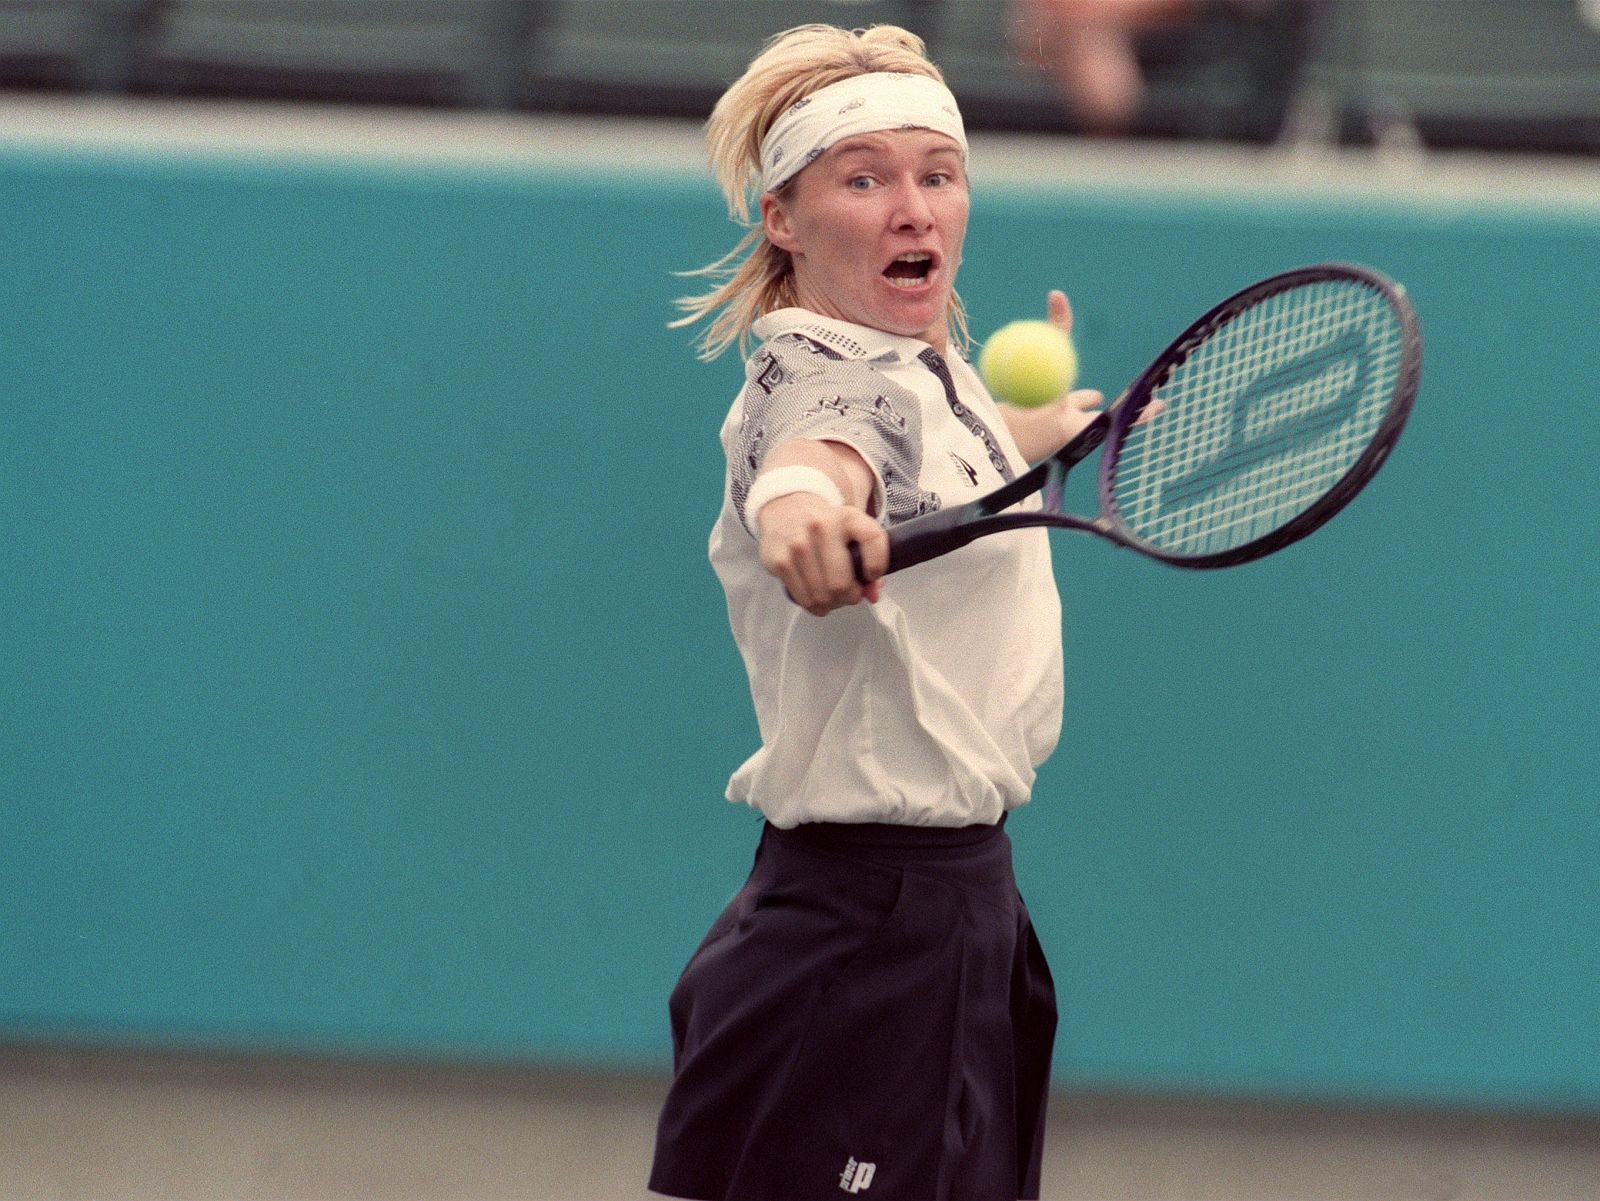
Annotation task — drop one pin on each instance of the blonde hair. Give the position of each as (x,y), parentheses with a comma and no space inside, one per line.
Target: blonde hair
(793,64)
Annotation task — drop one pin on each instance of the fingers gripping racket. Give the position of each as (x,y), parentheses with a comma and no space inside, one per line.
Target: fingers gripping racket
(1276,408)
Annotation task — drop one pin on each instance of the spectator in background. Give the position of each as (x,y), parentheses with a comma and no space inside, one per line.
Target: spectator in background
(1089,48)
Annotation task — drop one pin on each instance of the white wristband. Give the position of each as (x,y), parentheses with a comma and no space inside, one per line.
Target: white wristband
(785,481)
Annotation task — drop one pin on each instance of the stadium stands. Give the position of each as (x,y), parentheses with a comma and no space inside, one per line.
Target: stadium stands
(1494,73)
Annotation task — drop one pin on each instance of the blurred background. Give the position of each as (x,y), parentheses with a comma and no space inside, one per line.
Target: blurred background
(1516,75)
(368,700)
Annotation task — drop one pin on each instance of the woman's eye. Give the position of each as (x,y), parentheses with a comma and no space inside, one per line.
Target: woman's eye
(861,183)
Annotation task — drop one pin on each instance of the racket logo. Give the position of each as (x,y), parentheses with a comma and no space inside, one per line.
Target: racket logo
(1275,416)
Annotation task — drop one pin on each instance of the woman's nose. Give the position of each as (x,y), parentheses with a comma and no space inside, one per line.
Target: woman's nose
(911,208)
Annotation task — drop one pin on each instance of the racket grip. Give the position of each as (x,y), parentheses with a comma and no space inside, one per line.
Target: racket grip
(918,540)
(923,538)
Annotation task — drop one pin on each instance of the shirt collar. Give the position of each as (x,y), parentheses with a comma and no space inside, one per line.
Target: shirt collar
(852,340)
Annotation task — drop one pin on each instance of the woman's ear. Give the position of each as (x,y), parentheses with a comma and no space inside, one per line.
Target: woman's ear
(776,224)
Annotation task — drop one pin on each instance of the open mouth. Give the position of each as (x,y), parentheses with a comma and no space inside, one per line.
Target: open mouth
(910,270)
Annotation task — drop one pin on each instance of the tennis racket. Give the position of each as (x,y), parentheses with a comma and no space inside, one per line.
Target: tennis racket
(1277,407)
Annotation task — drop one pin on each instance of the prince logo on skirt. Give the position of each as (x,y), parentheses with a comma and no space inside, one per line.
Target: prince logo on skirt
(857,1177)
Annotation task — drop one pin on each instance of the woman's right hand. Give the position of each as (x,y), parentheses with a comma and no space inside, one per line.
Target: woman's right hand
(805,543)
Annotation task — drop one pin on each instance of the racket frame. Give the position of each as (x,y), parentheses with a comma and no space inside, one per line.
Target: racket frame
(932,534)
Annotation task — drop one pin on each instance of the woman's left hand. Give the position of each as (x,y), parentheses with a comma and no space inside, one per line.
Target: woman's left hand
(1044,430)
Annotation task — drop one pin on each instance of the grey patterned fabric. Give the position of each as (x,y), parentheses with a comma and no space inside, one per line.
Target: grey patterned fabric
(797,386)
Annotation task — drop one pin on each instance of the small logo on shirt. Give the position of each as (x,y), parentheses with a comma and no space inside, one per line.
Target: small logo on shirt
(966,468)
(857,1177)
(770,375)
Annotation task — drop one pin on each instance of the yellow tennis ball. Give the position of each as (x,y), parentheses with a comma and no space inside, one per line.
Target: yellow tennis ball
(1029,363)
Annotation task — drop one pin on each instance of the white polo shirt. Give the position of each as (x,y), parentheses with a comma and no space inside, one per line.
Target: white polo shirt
(934,706)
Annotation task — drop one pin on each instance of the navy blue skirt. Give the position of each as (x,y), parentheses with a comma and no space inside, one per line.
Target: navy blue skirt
(871,1014)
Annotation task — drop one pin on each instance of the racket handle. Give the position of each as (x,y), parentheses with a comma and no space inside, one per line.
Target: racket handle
(918,540)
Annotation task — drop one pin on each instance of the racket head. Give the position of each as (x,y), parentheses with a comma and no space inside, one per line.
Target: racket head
(1281,402)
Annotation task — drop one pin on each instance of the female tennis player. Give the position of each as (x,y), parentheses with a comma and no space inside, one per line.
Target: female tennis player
(872,1012)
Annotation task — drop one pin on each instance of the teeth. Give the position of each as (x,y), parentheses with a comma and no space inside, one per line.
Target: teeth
(913,281)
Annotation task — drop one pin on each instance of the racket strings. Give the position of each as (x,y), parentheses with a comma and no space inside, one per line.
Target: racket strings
(1262,418)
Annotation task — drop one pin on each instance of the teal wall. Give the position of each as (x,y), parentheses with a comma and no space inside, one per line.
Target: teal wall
(365,688)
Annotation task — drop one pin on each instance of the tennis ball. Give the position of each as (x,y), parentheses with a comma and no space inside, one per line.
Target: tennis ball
(1029,363)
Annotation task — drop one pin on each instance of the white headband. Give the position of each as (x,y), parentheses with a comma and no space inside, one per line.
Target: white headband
(860,104)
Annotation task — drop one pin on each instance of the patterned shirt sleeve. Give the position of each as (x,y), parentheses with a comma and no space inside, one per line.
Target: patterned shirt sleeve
(796,387)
